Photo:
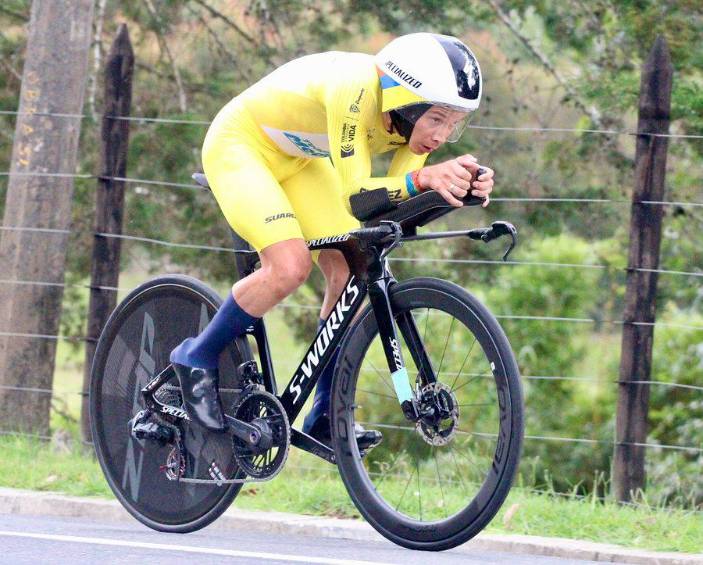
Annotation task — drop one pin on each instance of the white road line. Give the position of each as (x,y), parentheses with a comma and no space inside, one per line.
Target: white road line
(190,549)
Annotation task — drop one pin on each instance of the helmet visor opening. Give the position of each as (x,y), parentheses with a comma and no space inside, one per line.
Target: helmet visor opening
(449,122)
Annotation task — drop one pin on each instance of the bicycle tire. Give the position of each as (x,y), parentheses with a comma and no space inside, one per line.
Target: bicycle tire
(367,479)
(133,347)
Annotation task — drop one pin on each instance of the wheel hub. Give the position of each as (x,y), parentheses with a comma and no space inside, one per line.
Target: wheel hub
(439,414)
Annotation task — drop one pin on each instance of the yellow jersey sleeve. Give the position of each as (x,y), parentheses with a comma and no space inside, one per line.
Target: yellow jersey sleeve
(405,161)
(352,114)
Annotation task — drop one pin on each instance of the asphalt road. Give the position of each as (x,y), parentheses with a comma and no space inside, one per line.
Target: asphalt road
(25,539)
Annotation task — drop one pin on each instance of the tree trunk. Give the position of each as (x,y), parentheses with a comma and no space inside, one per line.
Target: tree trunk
(53,81)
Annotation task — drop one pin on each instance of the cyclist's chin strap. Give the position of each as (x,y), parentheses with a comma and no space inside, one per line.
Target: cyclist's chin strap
(401,125)
(404,122)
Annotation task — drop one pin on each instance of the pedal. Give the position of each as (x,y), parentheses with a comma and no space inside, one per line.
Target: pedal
(367,439)
(141,428)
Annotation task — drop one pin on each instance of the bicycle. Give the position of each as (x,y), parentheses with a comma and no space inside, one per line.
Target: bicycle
(456,434)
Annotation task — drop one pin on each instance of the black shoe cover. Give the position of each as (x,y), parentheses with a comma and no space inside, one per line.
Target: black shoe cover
(201,396)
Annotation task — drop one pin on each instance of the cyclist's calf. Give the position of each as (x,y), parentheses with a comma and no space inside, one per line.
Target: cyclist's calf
(336,271)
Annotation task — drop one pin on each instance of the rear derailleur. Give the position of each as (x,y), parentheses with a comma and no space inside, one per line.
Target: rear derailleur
(147,425)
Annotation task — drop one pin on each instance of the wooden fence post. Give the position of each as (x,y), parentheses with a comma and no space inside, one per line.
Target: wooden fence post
(37,216)
(640,300)
(109,202)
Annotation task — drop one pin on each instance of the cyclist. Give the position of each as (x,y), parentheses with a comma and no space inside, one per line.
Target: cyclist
(282,159)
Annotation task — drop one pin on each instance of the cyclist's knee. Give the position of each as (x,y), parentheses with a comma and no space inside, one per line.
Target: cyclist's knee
(288,265)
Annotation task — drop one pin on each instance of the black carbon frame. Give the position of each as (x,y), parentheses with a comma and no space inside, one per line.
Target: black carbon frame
(369,274)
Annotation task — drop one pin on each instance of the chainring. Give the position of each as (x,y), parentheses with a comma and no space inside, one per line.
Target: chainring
(263,410)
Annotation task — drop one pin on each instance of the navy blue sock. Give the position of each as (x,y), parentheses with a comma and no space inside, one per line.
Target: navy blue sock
(321,401)
(203,351)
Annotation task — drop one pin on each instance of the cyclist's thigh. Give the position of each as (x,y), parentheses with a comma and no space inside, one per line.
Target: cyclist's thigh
(315,193)
(250,197)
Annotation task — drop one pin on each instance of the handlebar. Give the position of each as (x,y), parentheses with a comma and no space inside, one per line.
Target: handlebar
(390,235)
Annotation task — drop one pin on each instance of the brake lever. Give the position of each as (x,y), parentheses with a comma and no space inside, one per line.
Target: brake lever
(499,229)
(396,234)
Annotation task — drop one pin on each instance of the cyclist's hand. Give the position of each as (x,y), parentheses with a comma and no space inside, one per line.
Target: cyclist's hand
(483,185)
(451,179)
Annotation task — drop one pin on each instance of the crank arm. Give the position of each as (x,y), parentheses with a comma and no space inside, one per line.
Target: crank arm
(246,432)
(311,445)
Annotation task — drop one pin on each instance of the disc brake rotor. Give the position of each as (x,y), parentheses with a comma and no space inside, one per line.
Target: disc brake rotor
(439,429)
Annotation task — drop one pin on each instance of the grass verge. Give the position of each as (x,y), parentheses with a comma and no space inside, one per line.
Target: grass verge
(306,486)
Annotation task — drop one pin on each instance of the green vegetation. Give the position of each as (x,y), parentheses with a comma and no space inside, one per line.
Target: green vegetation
(307,487)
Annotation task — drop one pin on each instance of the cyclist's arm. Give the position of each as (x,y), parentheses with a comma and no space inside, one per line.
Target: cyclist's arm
(349,146)
(404,162)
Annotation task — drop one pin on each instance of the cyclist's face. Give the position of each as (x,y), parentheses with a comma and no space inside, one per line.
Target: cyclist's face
(434,128)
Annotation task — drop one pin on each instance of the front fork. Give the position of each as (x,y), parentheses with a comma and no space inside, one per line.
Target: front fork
(380,301)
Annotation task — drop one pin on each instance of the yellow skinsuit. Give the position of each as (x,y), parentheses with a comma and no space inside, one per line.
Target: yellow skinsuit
(284,156)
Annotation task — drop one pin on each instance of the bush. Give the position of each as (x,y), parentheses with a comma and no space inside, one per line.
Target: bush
(676,414)
(545,348)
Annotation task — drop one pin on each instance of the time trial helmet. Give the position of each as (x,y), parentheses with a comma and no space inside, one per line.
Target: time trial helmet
(420,70)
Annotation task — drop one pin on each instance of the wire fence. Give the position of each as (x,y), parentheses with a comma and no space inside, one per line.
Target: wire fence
(291,368)
(694,273)
(142,120)
(203,247)
(396,259)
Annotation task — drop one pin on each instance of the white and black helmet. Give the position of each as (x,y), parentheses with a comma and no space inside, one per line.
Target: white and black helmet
(424,69)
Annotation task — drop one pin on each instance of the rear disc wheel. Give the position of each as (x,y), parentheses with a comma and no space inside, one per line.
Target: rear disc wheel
(134,347)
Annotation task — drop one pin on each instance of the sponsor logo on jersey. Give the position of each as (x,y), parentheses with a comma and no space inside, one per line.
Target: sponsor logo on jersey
(326,240)
(324,338)
(402,75)
(395,195)
(355,106)
(306,146)
(280,216)
(348,135)
(299,143)
(348,132)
